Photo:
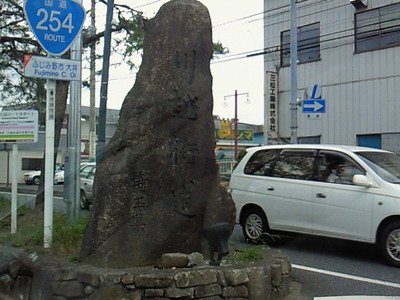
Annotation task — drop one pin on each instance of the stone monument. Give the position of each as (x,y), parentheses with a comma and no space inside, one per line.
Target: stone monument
(157,187)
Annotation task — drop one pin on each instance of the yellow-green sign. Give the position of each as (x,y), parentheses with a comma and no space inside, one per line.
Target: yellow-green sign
(225,132)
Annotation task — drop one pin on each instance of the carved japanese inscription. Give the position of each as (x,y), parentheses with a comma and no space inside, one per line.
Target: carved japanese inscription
(157,187)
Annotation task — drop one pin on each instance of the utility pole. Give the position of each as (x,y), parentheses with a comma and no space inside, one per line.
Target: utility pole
(92,113)
(101,145)
(235,128)
(73,156)
(293,71)
(235,125)
(71,194)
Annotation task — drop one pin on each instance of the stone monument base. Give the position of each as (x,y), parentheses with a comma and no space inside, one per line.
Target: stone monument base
(35,277)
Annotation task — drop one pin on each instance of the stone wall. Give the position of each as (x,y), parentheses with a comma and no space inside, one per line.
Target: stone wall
(30,277)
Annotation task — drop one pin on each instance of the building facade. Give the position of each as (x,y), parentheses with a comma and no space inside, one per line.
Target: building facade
(30,156)
(348,55)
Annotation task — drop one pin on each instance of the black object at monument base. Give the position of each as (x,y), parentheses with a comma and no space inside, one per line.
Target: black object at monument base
(217,237)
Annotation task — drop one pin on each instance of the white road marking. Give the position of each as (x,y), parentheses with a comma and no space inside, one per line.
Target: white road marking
(351,277)
(358,298)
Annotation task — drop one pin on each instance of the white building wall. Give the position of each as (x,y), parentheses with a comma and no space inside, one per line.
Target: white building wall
(361,90)
(6,163)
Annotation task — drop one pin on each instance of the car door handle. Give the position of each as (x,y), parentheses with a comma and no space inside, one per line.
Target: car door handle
(321,195)
(270,188)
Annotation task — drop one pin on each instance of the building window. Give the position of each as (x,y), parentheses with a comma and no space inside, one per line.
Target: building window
(308,44)
(377,28)
(31,163)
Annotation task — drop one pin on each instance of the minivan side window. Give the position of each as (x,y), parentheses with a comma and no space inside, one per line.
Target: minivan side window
(92,173)
(337,168)
(261,161)
(86,171)
(294,165)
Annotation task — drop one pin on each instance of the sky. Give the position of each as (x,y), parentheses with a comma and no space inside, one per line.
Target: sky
(238,25)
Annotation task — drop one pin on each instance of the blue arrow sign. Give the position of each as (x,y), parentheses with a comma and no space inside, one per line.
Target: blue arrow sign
(313,106)
(55,23)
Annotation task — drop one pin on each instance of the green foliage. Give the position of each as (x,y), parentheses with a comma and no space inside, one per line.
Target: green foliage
(252,253)
(219,48)
(66,237)
(66,240)
(15,41)
(131,39)
(4,205)
(29,233)
(240,156)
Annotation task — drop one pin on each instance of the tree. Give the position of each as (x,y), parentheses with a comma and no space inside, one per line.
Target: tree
(16,40)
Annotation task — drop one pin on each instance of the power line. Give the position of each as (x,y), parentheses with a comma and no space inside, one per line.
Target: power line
(275,13)
(146,4)
(312,46)
(277,48)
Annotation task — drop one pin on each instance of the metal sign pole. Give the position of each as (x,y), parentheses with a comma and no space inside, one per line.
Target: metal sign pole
(49,163)
(14,188)
(74,136)
(293,72)
(52,22)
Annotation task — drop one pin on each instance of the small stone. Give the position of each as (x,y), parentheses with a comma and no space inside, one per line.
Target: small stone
(236,277)
(195,278)
(195,259)
(235,292)
(6,282)
(153,281)
(221,278)
(170,260)
(154,292)
(131,286)
(276,274)
(179,293)
(88,278)
(128,279)
(285,264)
(88,290)
(208,290)
(69,289)
(259,285)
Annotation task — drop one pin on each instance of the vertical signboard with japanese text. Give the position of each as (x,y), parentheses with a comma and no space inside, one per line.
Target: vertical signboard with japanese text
(271,106)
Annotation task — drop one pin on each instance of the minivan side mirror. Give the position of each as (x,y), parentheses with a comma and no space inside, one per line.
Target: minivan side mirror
(362,180)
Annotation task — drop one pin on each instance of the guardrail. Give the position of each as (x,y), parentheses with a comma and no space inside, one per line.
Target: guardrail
(226,166)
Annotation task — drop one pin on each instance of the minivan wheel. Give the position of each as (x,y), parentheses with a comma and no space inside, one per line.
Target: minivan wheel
(36,180)
(83,203)
(389,244)
(254,225)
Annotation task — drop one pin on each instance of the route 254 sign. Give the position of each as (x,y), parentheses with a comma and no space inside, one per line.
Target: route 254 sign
(55,23)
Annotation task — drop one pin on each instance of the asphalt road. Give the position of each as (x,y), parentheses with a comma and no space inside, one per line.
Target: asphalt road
(27,195)
(329,267)
(30,189)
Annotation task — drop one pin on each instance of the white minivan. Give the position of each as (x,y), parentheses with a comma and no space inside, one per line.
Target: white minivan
(345,192)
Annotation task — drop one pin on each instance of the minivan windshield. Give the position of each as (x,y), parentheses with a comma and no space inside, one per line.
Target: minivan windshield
(385,164)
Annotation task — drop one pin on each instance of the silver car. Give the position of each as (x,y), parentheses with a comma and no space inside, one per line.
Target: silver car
(87,174)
